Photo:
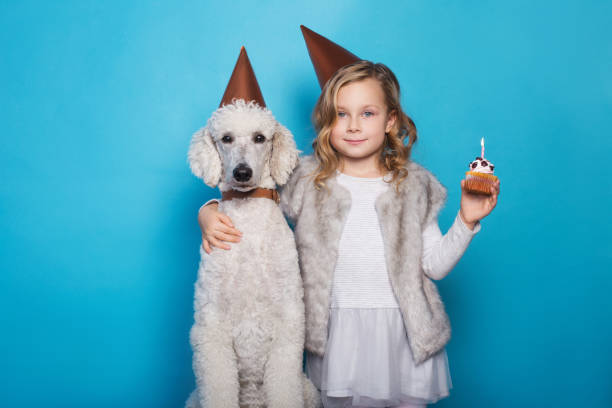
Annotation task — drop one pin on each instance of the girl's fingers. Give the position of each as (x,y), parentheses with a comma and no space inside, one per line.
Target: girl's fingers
(218,244)
(226,220)
(228,230)
(228,225)
(226,237)
(206,246)
(493,201)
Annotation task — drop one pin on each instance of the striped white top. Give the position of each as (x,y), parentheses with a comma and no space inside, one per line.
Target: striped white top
(360,278)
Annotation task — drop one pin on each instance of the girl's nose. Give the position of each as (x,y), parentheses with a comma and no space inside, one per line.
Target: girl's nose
(354,124)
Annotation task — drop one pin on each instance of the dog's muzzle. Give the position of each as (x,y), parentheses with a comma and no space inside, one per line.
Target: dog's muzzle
(242,173)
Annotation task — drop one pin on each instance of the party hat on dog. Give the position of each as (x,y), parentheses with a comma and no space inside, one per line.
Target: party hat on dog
(326,56)
(243,84)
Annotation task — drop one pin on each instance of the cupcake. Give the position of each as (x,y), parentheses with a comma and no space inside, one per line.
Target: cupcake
(480,178)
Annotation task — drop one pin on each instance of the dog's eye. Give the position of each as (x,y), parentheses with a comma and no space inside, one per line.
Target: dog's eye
(227,139)
(259,138)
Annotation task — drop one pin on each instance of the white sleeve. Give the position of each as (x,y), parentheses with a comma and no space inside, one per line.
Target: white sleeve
(441,253)
(214,200)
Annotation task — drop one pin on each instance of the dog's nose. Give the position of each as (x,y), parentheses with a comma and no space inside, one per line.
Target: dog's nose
(242,173)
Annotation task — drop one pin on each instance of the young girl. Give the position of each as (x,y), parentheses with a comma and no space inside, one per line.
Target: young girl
(369,244)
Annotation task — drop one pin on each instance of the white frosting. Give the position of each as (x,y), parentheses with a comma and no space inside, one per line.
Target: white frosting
(481,165)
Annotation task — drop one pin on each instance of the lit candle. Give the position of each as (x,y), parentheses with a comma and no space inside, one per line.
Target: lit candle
(482,148)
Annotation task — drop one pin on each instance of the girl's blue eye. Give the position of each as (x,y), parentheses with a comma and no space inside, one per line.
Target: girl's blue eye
(367,114)
(341,114)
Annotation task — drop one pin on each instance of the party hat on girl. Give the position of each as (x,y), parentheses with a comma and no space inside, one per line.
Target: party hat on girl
(243,84)
(326,56)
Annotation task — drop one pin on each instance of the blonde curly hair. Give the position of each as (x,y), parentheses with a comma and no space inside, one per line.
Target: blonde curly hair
(395,152)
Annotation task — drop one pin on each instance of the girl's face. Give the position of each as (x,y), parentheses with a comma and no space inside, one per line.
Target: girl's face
(362,121)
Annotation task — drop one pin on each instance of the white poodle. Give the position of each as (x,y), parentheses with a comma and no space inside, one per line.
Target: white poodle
(248,334)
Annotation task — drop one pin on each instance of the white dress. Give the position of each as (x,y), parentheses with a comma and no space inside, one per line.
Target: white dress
(368,361)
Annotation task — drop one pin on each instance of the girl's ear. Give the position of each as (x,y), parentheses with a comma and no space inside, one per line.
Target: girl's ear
(284,156)
(204,158)
(391,119)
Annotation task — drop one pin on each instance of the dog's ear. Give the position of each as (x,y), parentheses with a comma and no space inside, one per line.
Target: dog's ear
(284,155)
(204,158)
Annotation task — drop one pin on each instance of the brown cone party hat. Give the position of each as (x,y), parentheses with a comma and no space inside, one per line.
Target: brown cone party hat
(326,56)
(243,84)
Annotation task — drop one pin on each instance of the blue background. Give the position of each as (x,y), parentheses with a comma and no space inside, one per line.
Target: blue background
(99,240)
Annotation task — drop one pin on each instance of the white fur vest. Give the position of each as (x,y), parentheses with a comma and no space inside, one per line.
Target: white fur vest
(319,216)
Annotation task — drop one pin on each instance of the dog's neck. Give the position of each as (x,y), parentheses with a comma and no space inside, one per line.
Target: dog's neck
(258,192)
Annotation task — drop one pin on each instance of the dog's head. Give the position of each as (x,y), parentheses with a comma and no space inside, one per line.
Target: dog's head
(243,147)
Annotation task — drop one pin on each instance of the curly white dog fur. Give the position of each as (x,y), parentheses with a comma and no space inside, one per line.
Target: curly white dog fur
(248,334)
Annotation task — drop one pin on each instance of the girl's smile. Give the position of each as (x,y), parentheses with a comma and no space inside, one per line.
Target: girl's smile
(354,141)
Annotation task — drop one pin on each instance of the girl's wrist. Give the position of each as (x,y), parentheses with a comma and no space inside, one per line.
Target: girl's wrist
(209,202)
(468,223)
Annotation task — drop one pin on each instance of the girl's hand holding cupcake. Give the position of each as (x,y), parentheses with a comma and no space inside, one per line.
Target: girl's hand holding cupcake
(479,190)
(474,207)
